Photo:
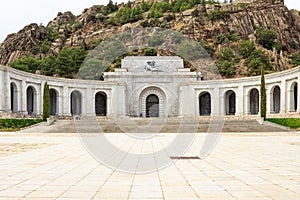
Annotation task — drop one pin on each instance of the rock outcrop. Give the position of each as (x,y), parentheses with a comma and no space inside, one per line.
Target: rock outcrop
(93,26)
(21,43)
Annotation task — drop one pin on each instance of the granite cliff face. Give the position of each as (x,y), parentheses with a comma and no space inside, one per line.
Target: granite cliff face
(91,27)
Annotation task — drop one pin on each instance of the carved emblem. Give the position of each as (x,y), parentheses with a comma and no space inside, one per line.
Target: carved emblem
(152,66)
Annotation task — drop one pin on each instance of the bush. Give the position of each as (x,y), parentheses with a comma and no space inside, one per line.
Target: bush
(220,39)
(246,48)
(155,40)
(266,38)
(218,15)
(295,59)
(226,68)
(149,52)
(226,54)
(16,124)
(77,26)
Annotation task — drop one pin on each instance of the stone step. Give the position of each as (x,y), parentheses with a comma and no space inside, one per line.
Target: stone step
(109,125)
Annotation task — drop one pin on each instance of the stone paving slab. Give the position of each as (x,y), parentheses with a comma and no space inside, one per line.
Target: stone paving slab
(241,166)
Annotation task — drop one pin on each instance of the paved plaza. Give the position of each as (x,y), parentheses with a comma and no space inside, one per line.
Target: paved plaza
(242,166)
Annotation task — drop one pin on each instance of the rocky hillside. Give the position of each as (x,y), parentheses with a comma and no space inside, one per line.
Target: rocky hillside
(229,32)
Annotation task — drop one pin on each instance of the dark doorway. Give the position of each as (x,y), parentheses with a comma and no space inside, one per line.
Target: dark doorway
(205,104)
(230,103)
(254,102)
(100,104)
(296,97)
(75,103)
(13,97)
(53,102)
(30,100)
(152,106)
(276,99)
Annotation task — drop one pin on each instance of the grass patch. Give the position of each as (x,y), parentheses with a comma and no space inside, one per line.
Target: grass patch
(288,122)
(17,124)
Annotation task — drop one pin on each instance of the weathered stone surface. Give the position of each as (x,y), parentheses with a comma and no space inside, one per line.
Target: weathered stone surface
(19,44)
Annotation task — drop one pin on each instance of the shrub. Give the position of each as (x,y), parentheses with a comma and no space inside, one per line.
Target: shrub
(217,15)
(16,124)
(77,26)
(149,52)
(266,38)
(220,39)
(246,47)
(155,40)
(295,59)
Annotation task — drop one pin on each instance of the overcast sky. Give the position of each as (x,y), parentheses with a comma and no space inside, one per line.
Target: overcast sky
(15,14)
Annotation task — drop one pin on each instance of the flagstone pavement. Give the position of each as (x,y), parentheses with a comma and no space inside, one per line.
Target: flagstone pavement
(242,166)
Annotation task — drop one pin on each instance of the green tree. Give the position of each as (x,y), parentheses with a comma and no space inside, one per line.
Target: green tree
(295,59)
(27,64)
(263,95)
(267,37)
(69,61)
(46,102)
(48,65)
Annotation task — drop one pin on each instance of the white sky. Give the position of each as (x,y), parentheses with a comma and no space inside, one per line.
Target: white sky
(15,14)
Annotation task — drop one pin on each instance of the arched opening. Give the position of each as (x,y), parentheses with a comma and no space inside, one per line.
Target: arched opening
(13,97)
(152,106)
(76,103)
(230,102)
(205,104)
(53,102)
(101,104)
(254,101)
(294,97)
(276,99)
(31,101)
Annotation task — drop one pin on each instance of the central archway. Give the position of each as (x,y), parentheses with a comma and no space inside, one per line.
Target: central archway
(152,102)
(152,106)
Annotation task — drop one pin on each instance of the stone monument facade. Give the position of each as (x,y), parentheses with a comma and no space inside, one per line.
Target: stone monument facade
(157,86)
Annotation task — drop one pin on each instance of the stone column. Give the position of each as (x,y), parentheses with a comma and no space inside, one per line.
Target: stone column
(2,97)
(298,94)
(215,102)
(90,102)
(269,101)
(120,101)
(283,97)
(240,101)
(6,93)
(66,101)
(23,99)
(84,102)
(40,95)
(290,100)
